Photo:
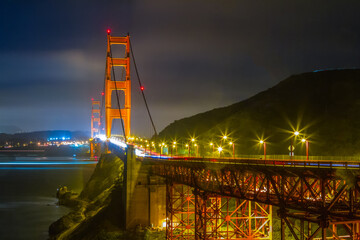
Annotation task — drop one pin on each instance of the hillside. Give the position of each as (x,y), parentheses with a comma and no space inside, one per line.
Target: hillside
(324,106)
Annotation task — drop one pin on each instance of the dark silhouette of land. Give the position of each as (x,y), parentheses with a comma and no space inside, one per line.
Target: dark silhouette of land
(323,105)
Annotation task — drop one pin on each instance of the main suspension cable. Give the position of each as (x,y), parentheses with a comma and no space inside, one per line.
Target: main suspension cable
(142,88)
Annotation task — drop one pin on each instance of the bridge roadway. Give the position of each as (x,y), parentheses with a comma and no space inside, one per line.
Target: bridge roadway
(322,192)
(317,190)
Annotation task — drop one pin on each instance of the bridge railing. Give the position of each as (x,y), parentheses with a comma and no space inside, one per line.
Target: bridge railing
(338,164)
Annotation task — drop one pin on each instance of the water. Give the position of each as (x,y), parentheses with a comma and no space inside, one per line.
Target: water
(27,193)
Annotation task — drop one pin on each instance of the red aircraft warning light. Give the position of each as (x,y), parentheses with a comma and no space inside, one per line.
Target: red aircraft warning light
(142,88)
(108,31)
(102,93)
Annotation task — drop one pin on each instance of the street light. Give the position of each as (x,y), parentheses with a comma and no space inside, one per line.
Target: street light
(213,146)
(296,133)
(220,150)
(197,149)
(264,143)
(174,146)
(160,148)
(233,148)
(304,140)
(192,141)
(147,146)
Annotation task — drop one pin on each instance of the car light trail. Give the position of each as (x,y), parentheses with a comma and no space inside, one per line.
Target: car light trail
(49,163)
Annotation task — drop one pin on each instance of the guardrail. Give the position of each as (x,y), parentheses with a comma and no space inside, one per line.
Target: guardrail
(271,162)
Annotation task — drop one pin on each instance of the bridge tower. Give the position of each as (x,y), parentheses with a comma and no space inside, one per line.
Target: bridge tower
(95,117)
(95,127)
(113,85)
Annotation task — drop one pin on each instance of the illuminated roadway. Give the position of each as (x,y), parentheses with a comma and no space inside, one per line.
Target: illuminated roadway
(322,191)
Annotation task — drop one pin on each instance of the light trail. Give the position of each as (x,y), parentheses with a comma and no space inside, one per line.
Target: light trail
(49,163)
(140,152)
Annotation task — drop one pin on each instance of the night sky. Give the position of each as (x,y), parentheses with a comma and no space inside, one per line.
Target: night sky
(192,56)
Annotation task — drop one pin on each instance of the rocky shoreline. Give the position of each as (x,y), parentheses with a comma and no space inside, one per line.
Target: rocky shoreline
(96,211)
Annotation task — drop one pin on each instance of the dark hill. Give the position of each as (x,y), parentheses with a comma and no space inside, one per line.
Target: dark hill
(324,106)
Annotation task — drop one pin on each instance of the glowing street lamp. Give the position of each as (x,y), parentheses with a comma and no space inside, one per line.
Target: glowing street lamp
(224,137)
(152,145)
(296,133)
(264,143)
(233,148)
(174,146)
(197,149)
(304,140)
(147,146)
(220,150)
(162,147)
(192,141)
(212,146)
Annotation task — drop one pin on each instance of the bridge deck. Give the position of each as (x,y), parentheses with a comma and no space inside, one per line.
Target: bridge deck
(311,188)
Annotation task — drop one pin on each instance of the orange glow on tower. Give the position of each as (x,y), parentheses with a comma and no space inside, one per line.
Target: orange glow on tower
(95,110)
(110,85)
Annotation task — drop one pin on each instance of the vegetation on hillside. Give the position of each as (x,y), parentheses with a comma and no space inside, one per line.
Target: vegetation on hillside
(324,106)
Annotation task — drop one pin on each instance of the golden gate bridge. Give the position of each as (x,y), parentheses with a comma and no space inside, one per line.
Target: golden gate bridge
(222,198)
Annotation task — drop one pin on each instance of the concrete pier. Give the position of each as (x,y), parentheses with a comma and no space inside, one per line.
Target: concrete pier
(144,196)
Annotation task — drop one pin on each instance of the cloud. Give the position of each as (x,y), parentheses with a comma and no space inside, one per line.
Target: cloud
(192,55)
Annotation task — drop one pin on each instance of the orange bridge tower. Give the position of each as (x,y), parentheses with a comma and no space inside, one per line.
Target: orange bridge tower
(95,117)
(95,128)
(113,85)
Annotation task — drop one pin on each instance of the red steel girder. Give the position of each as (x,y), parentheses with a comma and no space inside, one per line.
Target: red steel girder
(317,192)
(194,214)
